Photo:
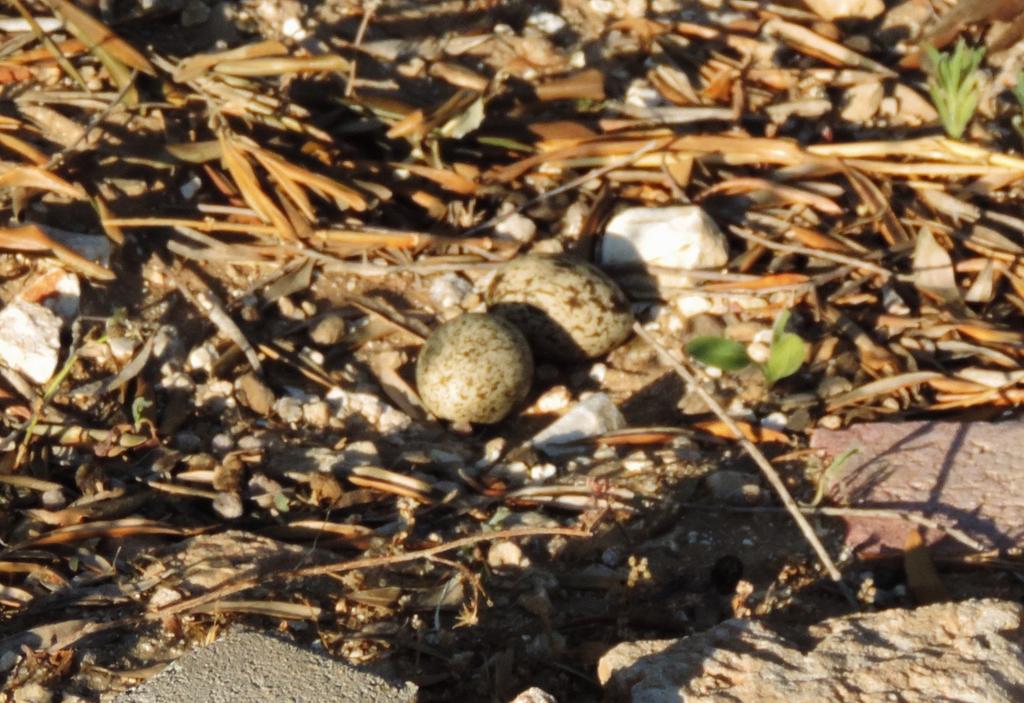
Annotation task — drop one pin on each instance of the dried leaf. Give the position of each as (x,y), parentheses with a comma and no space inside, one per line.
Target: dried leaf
(252,192)
(281,65)
(194,66)
(446,179)
(585,85)
(33,238)
(41,179)
(111,528)
(96,34)
(933,269)
(754,433)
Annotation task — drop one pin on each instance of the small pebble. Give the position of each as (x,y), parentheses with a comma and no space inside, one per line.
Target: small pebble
(254,394)
(505,555)
(328,330)
(317,413)
(222,443)
(228,505)
(201,358)
(288,409)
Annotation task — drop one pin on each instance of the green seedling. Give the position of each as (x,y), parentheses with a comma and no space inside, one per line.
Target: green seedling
(955,85)
(1018,92)
(785,356)
(827,477)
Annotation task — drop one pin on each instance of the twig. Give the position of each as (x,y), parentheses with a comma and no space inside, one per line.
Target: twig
(574,183)
(744,233)
(339,567)
(756,455)
(368,11)
(57,158)
(209,305)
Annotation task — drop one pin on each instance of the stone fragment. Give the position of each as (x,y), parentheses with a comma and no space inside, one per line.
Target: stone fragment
(328,330)
(592,417)
(30,340)
(861,101)
(682,237)
(968,651)
(964,475)
(506,555)
(534,695)
(846,9)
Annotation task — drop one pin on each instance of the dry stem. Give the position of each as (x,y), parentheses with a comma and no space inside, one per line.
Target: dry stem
(755,454)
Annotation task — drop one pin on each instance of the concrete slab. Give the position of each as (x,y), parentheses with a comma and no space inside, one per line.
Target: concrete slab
(251,667)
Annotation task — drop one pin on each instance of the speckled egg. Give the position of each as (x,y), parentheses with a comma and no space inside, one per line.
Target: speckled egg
(475,368)
(567,308)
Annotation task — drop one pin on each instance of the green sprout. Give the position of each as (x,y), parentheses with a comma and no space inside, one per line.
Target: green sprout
(1018,92)
(785,356)
(955,85)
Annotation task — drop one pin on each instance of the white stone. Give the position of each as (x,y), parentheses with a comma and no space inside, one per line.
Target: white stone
(30,340)
(449,289)
(505,555)
(592,417)
(292,29)
(836,9)
(681,237)
(692,305)
(517,227)
(641,93)
(546,22)
(758,352)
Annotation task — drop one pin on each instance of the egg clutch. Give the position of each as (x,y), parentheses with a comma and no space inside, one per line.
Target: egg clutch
(478,367)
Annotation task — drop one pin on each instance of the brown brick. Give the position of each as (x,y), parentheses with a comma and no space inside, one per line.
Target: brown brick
(968,475)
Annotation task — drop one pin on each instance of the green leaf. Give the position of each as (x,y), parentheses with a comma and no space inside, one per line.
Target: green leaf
(780,325)
(786,356)
(139,406)
(955,85)
(718,352)
(1018,89)
(281,502)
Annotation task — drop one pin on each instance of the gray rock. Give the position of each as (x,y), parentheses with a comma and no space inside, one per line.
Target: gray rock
(592,417)
(249,667)
(969,651)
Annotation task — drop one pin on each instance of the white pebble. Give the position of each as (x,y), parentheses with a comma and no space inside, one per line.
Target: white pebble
(554,400)
(546,22)
(288,409)
(30,343)
(775,421)
(758,352)
(517,227)
(542,472)
(201,358)
(222,443)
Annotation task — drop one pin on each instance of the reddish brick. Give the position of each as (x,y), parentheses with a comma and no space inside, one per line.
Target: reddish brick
(968,475)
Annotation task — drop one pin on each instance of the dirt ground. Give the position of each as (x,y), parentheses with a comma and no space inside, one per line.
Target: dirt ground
(234,433)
